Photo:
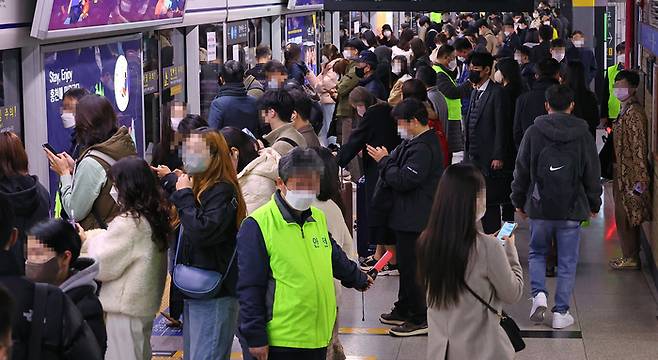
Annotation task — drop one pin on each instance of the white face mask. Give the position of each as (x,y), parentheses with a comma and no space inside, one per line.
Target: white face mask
(621,59)
(461,58)
(361,110)
(68,120)
(547,23)
(519,59)
(347,54)
(114,193)
(272,84)
(300,200)
(404,133)
(387,33)
(579,43)
(559,56)
(481,206)
(508,33)
(397,69)
(498,77)
(621,93)
(452,65)
(175,121)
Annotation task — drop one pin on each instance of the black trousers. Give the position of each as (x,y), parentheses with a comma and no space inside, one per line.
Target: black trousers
(297,354)
(411,298)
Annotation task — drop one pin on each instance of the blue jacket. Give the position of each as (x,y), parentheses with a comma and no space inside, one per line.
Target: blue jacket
(255,283)
(374,86)
(233,107)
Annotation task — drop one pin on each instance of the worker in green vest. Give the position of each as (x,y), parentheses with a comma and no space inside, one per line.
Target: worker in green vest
(445,60)
(611,106)
(287,261)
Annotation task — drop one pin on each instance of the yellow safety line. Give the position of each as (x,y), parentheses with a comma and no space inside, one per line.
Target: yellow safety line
(363,331)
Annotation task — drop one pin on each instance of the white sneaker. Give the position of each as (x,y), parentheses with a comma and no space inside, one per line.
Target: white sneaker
(539,306)
(560,321)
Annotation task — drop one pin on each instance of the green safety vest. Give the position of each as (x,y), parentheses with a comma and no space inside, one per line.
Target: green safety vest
(614,105)
(58,206)
(304,308)
(454,105)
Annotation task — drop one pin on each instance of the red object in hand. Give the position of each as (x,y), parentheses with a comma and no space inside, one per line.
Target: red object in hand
(380,264)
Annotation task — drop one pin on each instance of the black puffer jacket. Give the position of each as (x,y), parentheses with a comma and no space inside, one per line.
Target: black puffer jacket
(411,173)
(81,288)
(209,230)
(65,334)
(30,201)
(529,106)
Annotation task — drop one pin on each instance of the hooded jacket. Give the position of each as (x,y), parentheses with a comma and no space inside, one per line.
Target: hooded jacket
(81,288)
(258,179)
(233,107)
(69,337)
(548,129)
(30,202)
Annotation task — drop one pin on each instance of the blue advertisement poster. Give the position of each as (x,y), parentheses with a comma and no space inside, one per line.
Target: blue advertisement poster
(112,70)
(302,30)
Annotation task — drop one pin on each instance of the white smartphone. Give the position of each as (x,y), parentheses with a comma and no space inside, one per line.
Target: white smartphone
(506,231)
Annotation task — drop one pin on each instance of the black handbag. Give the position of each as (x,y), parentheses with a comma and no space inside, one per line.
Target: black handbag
(507,323)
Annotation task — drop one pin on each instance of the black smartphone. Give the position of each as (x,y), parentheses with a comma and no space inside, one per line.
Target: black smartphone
(50,148)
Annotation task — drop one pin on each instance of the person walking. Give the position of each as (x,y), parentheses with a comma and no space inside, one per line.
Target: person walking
(557,185)
(631,170)
(587,106)
(455,258)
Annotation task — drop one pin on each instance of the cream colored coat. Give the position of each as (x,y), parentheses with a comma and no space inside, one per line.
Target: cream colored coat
(132,268)
(339,232)
(258,179)
(469,330)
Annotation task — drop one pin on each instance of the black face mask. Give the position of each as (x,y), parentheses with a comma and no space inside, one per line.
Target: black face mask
(360,72)
(474,77)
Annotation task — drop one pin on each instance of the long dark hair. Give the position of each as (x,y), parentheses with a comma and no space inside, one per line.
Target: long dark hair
(235,138)
(140,195)
(512,73)
(330,182)
(95,120)
(445,246)
(574,77)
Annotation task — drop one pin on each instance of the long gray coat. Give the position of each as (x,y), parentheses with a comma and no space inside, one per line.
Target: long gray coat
(469,330)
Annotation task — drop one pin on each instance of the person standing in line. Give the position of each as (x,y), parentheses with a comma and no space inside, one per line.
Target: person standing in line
(366,65)
(263,55)
(53,257)
(587,106)
(387,38)
(586,56)
(347,83)
(233,107)
(285,245)
(455,256)
(326,88)
(557,185)
(301,115)
(522,56)
(210,207)
(69,331)
(631,170)
(276,108)
(489,136)
(408,180)
(132,259)
(30,200)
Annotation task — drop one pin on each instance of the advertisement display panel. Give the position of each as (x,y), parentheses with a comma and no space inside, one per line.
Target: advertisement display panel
(113,70)
(302,30)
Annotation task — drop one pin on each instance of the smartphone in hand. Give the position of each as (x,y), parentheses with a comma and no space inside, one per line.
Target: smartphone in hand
(506,231)
(49,148)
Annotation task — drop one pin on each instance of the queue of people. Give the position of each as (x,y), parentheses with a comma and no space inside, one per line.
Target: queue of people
(245,211)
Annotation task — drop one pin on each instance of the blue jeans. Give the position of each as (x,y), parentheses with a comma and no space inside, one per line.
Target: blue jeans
(567,236)
(327,116)
(208,328)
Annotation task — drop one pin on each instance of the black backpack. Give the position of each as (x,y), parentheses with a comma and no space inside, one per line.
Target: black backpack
(559,171)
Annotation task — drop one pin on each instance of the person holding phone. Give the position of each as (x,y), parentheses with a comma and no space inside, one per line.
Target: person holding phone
(557,185)
(455,255)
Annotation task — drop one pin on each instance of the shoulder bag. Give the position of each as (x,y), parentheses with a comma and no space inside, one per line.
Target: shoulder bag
(507,323)
(194,282)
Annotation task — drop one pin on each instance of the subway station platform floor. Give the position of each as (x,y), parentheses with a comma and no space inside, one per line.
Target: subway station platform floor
(615,312)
